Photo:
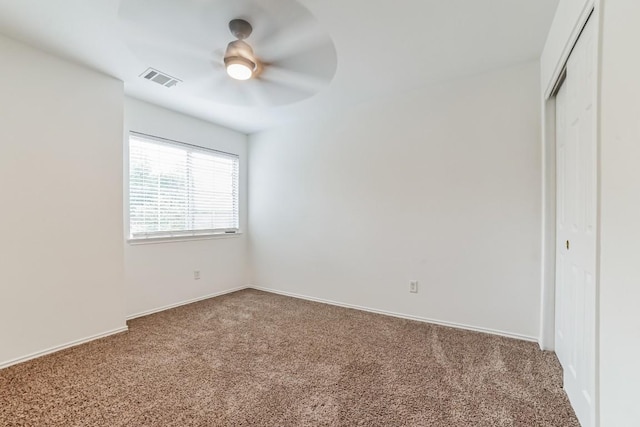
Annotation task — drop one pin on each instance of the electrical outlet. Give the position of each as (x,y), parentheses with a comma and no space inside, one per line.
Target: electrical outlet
(196,274)
(413,286)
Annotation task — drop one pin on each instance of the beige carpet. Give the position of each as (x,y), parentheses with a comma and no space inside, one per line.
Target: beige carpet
(253,358)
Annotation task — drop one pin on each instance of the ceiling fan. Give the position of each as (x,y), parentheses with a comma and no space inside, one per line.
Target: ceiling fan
(288,58)
(239,59)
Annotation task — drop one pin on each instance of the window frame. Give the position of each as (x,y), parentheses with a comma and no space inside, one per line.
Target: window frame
(170,236)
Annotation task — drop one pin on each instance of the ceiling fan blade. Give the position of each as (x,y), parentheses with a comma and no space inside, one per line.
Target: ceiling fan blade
(189,21)
(220,88)
(276,92)
(290,78)
(319,63)
(290,41)
(276,16)
(164,53)
(256,94)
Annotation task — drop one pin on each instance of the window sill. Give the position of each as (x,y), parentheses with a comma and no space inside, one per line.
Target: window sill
(172,239)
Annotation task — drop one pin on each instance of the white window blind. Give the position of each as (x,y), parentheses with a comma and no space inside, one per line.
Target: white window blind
(177,189)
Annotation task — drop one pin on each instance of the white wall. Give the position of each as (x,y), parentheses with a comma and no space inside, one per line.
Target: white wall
(440,186)
(568,21)
(161,274)
(620,214)
(61,258)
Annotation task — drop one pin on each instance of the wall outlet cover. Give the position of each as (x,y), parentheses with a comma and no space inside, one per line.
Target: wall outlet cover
(413,286)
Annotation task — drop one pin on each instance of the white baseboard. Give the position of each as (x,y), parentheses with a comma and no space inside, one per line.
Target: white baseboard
(273,291)
(114,331)
(402,316)
(61,347)
(178,304)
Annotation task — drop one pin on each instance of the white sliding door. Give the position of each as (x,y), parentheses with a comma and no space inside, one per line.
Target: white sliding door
(575,335)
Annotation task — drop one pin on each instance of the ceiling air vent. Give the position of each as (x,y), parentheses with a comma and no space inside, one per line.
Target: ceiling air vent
(160,77)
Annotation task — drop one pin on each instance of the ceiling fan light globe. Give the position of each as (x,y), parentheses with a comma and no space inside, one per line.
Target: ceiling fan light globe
(239,68)
(239,71)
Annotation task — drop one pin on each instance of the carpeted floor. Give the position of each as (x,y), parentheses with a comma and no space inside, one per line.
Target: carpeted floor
(253,358)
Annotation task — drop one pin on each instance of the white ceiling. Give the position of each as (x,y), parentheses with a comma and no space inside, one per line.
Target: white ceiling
(187,39)
(383,47)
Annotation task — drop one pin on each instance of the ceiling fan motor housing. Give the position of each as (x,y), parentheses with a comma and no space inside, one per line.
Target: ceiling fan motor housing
(240,28)
(240,52)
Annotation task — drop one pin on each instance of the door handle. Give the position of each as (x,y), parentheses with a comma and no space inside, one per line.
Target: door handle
(567,245)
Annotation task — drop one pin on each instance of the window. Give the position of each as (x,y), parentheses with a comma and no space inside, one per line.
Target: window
(178,190)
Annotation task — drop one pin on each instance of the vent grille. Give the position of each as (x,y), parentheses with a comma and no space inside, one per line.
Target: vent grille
(159,77)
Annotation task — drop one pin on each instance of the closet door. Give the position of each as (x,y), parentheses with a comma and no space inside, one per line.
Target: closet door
(576,227)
